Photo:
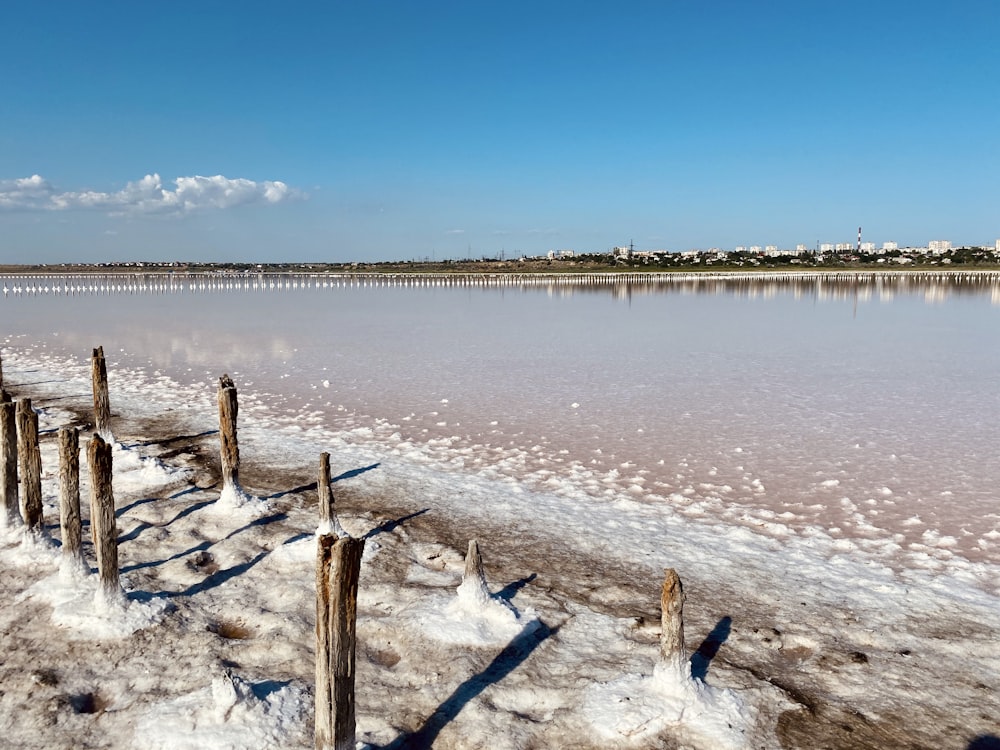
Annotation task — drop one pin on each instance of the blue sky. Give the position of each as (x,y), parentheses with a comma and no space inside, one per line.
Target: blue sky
(375,130)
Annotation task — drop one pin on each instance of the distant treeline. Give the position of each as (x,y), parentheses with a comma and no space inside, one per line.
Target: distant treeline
(645,261)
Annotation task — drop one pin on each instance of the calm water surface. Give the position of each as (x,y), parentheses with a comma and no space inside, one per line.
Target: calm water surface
(865,410)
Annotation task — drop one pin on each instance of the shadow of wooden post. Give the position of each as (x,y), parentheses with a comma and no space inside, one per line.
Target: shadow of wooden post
(102,399)
(30,466)
(102,518)
(228,444)
(10,515)
(338,567)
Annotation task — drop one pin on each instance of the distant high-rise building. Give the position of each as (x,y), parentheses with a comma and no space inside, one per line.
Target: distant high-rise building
(939,246)
(889,246)
(803,248)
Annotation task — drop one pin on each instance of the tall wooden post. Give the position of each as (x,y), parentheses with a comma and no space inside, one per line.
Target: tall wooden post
(11,512)
(102,516)
(1,371)
(31,465)
(338,567)
(69,494)
(672,622)
(230,448)
(102,401)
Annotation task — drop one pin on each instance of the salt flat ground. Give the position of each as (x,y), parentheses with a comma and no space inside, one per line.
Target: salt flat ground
(214,648)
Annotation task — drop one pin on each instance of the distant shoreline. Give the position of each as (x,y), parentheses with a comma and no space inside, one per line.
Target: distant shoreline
(481,268)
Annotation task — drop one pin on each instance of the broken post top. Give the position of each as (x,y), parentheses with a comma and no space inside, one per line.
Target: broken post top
(473,588)
(474,561)
(102,400)
(672,619)
(226,382)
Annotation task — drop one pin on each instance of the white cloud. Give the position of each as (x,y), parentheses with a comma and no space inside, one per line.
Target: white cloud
(27,192)
(147,195)
(455,231)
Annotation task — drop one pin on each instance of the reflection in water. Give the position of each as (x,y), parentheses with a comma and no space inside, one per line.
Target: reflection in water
(934,286)
(729,397)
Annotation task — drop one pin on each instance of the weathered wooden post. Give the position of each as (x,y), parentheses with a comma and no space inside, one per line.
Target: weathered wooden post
(338,566)
(1,371)
(31,465)
(69,496)
(102,401)
(328,521)
(11,513)
(102,517)
(230,448)
(672,623)
(473,587)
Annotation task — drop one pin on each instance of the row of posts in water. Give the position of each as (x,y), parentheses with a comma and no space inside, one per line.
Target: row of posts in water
(752,283)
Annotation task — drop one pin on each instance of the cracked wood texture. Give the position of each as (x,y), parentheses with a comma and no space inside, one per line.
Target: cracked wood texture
(229,447)
(338,566)
(30,465)
(672,619)
(102,401)
(102,514)
(11,512)
(69,492)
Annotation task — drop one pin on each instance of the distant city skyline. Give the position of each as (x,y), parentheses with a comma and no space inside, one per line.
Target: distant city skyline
(394,130)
